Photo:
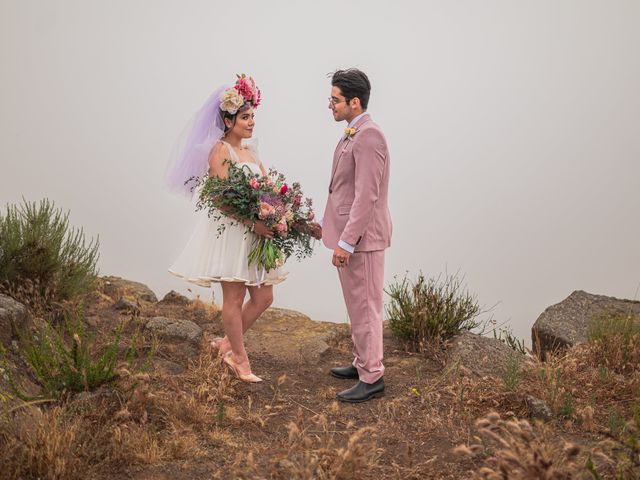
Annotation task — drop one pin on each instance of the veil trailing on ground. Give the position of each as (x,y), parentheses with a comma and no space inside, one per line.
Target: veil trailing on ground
(190,153)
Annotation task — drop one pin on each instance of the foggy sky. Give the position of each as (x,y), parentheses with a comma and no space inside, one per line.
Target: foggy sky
(513,128)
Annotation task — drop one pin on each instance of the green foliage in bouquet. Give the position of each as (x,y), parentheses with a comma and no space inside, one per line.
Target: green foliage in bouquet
(430,310)
(42,255)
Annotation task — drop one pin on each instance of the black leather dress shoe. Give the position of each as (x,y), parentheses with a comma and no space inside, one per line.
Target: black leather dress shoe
(361,392)
(345,372)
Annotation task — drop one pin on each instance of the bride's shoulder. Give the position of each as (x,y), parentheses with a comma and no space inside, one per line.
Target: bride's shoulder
(219,152)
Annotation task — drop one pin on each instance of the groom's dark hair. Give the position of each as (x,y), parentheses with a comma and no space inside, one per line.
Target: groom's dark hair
(353,83)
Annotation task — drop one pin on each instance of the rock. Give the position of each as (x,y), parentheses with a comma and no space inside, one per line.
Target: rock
(565,324)
(538,408)
(117,287)
(14,318)
(482,356)
(126,305)
(175,329)
(289,335)
(175,297)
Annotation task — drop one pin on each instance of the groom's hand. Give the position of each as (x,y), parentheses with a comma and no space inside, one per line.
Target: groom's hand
(340,257)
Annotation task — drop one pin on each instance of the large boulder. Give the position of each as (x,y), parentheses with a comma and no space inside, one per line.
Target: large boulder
(289,335)
(117,287)
(174,329)
(482,356)
(14,318)
(566,323)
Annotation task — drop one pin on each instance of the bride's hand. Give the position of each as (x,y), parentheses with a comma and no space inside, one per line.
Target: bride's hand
(315,229)
(260,228)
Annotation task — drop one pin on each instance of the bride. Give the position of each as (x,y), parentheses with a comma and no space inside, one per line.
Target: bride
(218,133)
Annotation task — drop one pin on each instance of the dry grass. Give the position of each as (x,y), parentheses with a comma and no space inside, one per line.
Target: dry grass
(142,420)
(514,449)
(202,308)
(314,449)
(202,420)
(39,444)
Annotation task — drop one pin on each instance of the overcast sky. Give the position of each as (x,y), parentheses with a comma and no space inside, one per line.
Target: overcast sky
(513,126)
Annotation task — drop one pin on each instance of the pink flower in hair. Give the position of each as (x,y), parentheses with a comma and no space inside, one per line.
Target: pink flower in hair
(246,86)
(255,92)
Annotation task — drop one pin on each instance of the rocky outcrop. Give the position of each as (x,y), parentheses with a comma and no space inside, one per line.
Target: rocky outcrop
(175,298)
(289,335)
(482,356)
(117,287)
(174,329)
(126,305)
(14,318)
(566,323)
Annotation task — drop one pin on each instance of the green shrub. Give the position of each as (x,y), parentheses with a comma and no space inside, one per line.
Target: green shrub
(42,256)
(430,309)
(63,358)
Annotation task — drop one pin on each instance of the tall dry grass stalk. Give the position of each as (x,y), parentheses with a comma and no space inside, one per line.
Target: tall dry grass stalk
(615,338)
(35,444)
(321,449)
(513,449)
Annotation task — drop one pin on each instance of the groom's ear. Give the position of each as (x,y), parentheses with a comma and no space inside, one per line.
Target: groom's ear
(355,102)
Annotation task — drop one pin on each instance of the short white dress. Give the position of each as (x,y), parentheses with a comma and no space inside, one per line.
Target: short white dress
(208,258)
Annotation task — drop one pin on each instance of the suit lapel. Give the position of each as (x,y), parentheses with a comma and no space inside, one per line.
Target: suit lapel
(342,145)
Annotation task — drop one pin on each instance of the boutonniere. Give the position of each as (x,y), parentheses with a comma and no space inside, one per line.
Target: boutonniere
(349,132)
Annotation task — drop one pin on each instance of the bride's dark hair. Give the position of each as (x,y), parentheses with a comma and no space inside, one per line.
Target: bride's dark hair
(233,116)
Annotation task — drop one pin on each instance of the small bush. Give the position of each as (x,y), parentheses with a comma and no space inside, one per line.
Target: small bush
(430,309)
(41,256)
(616,337)
(62,358)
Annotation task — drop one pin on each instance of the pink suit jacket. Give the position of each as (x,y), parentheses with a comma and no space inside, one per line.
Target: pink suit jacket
(357,212)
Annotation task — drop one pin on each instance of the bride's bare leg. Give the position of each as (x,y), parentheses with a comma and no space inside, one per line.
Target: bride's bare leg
(233,294)
(259,300)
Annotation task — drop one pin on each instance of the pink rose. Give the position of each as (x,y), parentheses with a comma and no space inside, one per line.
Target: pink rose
(265,210)
(253,183)
(284,189)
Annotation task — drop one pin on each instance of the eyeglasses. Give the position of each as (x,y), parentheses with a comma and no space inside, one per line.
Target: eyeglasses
(335,101)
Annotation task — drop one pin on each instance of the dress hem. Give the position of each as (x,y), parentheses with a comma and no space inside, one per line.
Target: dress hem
(203,281)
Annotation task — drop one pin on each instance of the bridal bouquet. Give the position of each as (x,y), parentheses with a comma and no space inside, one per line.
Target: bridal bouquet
(244,195)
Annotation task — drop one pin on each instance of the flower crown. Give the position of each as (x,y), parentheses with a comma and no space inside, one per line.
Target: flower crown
(245,90)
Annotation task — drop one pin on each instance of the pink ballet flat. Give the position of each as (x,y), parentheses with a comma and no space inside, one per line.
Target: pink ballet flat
(245,377)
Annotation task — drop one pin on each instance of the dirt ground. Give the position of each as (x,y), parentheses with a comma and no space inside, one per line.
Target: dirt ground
(189,418)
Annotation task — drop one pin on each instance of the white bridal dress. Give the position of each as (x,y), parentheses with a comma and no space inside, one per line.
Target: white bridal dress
(208,258)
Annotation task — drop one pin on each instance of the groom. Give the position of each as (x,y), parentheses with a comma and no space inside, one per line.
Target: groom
(357,227)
